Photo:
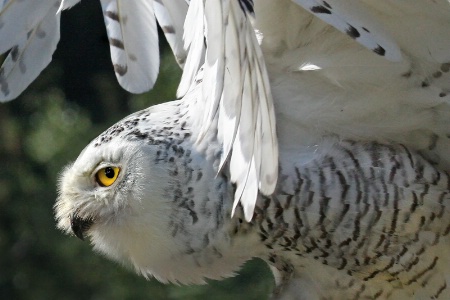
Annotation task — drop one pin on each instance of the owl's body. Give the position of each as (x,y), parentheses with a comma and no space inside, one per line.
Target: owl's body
(361,207)
(355,220)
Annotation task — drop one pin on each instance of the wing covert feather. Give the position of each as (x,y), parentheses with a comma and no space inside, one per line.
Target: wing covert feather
(354,18)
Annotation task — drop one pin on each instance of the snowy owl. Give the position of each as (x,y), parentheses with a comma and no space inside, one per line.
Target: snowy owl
(311,134)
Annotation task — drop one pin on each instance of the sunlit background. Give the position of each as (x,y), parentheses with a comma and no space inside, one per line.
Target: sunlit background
(72,101)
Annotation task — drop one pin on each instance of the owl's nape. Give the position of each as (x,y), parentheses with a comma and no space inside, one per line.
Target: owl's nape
(311,134)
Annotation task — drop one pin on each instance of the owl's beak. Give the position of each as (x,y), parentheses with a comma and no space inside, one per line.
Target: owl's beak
(80,226)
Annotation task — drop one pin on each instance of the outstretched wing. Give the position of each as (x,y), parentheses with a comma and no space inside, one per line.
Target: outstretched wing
(236,91)
(403,98)
(235,94)
(30,31)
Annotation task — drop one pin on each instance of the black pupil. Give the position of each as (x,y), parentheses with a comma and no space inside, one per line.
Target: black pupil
(109,172)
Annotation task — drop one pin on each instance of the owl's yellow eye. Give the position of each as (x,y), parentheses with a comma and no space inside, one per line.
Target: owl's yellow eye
(107,176)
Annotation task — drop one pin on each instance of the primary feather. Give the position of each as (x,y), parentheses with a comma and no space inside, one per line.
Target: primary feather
(136,64)
(170,16)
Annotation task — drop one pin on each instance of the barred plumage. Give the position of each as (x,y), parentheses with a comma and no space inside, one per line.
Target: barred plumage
(368,216)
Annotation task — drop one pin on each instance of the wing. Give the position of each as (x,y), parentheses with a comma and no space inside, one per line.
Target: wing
(30,30)
(132,32)
(236,91)
(354,94)
(235,94)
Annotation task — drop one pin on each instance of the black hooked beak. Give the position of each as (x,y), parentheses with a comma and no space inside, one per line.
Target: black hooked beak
(80,226)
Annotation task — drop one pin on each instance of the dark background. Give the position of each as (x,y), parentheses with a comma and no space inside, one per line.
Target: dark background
(71,102)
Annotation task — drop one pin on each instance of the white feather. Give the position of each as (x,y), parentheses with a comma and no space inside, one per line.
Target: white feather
(32,53)
(268,141)
(230,111)
(66,4)
(236,93)
(17,18)
(194,45)
(133,38)
(242,168)
(170,15)
(215,18)
(353,16)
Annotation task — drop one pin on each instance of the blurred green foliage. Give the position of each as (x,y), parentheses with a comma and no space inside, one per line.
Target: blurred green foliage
(72,101)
